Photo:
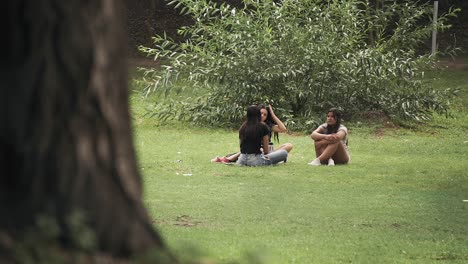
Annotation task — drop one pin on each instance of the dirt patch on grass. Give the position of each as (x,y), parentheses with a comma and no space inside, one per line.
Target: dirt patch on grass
(182,220)
(185,220)
(453,63)
(378,117)
(380,120)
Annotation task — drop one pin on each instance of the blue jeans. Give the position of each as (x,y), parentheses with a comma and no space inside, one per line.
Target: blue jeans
(262,160)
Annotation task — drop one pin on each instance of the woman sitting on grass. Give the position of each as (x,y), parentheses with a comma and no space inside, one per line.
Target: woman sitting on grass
(274,125)
(254,142)
(331,141)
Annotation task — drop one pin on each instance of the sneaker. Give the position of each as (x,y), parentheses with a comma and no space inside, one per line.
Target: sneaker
(331,162)
(315,162)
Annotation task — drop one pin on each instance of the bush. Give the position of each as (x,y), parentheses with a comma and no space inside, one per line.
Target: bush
(302,56)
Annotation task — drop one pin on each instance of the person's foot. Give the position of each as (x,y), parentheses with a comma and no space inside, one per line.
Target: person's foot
(224,160)
(215,159)
(315,162)
(331,162)
(220,159)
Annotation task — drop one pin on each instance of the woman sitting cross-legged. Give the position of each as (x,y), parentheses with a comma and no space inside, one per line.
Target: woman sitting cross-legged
(331,141)
(275,126)
(254,139)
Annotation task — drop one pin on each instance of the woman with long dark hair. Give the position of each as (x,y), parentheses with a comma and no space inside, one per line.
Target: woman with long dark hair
(331,141)
(254,142)
(275,126)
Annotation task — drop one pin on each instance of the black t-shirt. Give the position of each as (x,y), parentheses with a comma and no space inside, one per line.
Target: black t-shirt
(252,145)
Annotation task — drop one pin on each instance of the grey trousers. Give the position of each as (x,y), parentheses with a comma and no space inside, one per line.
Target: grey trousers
(262,160)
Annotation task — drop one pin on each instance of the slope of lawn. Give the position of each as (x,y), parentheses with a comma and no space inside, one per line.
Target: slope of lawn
(399,201)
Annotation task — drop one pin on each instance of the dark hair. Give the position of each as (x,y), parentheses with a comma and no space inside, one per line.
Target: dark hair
(251,127)
(269,121)
(337,114)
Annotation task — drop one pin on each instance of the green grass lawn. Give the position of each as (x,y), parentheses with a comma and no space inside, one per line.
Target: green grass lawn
(399,201)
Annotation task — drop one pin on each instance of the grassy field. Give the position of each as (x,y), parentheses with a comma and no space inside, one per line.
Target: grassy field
(399,201)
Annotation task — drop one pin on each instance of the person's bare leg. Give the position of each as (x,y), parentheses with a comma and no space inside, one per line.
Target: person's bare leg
(336,151)
(233,157)
(286,146)
(341,155)
(230,157)
(320,146)
(328,152)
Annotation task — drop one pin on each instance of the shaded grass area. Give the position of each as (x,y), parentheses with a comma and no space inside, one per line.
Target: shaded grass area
(399,201)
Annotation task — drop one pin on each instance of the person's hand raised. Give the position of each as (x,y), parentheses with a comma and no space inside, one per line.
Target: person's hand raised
(271,110)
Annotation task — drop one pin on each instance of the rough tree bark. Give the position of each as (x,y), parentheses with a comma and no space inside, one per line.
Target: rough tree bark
(65,141)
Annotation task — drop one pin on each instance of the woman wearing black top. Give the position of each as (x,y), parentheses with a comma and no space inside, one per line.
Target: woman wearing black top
(275,125)
(254,139)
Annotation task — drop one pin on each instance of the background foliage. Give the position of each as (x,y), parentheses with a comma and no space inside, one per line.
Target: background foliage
(301,56)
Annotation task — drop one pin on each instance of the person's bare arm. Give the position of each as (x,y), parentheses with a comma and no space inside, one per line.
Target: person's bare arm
(318,134)
(265,142)
(340,135)
(279,127)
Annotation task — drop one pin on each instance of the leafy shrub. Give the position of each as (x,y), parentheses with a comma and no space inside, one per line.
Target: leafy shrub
(302,56)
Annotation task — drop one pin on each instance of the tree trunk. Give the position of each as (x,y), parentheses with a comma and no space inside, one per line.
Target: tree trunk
(65,143)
